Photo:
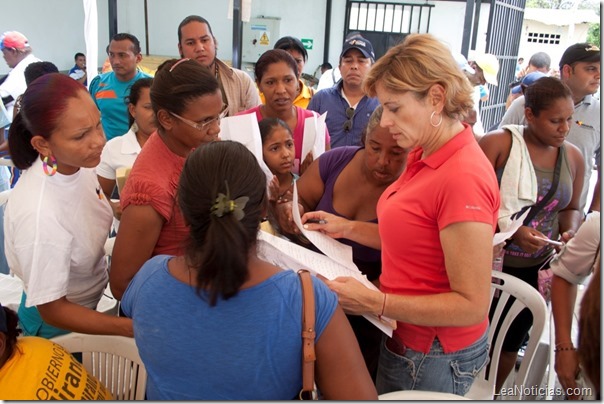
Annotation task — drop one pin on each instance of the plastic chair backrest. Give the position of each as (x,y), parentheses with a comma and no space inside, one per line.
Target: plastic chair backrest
(504,288)
(113,360)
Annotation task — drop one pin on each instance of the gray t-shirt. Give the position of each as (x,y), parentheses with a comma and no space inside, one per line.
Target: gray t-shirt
(584,133)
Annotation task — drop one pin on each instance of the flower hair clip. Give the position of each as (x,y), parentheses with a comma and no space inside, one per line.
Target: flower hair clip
(224,205)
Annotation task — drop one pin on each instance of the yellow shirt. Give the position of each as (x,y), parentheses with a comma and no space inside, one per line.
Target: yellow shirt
(301,100)
(42,370)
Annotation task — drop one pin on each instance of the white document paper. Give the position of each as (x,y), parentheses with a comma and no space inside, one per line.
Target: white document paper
(500,237)
(285,254)
(314,136)
(244,129)
(341,253)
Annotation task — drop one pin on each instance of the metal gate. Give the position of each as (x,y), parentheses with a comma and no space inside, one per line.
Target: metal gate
(503,40)
(386,24)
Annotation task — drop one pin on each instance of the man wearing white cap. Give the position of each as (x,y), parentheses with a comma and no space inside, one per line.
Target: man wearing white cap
(18,55)
(481,70)
(486,67)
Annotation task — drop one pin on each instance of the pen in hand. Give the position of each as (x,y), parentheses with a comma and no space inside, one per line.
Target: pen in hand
(317,221)
(547,240)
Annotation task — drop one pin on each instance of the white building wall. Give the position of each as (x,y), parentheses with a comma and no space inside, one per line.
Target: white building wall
(446,23)
(555,51)
(55,27)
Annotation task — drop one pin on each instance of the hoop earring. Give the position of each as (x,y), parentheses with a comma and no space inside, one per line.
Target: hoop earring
(439,122)
(53,161)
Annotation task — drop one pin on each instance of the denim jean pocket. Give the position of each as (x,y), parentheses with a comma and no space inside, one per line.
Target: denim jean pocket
(466,369)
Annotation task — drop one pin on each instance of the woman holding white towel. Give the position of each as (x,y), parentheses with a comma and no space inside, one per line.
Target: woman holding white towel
(558,165)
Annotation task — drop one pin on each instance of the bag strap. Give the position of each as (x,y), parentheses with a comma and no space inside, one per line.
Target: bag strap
(536,208)
(308,337)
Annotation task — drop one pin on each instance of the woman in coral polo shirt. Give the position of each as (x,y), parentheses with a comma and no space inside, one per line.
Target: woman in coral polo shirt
(436,224)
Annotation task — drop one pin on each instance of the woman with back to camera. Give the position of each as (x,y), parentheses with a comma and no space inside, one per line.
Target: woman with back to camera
(122,151)
(436,224)
(548,111)
(242,338)
(57,220)
(188,106)
(277,78)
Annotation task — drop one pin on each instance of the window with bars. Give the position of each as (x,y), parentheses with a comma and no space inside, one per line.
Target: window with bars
(543,38)
(389,17)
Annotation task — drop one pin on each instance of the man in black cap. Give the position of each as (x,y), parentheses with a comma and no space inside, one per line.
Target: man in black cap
(348,105)
(580,71)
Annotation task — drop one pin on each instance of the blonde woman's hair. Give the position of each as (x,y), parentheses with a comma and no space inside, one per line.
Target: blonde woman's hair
(415,65)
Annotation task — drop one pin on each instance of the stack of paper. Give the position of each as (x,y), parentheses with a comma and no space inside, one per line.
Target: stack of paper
(244,129)
(314,136)
(336,262)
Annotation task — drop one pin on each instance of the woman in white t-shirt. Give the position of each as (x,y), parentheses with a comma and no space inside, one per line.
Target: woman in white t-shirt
(57,219)
(121,151)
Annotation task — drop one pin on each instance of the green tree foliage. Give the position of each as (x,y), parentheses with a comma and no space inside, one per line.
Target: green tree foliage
(593,35)
(564,4)
(543,3)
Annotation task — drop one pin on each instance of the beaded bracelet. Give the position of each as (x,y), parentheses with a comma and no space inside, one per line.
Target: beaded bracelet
(563,343)
(568,348)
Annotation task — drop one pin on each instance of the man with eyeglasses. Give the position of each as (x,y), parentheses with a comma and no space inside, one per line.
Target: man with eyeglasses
(109,90)
(348,107)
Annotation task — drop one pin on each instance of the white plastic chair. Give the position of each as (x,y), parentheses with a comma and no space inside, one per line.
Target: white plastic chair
(418,395)
(113,360)
(526,296)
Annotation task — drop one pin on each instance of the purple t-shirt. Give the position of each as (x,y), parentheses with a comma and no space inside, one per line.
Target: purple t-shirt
(331,164)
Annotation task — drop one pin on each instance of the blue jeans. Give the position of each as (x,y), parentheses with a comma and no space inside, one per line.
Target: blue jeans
(435,371)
